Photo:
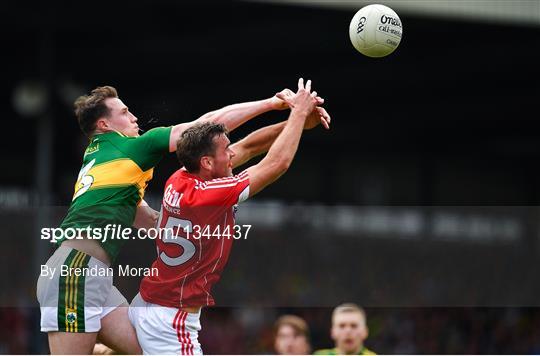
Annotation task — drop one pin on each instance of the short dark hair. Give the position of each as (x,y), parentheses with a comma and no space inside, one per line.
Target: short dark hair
(196,142)
(89,108)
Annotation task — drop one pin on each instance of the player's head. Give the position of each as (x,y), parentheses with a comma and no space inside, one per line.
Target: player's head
(349,329)
(103,111)
(292,336)
(203,149)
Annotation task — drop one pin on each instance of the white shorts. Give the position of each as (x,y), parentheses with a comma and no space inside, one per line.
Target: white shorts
(164,330)
(72,296)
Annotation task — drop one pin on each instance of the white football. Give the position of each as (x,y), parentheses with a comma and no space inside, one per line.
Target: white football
(375,30)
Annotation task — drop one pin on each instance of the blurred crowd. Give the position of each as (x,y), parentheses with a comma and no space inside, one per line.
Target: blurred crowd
(458,330)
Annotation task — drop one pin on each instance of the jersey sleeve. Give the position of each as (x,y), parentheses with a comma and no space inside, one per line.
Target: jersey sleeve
(148,149)
(224,192)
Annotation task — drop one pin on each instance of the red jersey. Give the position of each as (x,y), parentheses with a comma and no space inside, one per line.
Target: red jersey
(197,226)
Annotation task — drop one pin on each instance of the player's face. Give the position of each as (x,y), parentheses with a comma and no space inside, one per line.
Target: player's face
(289,342)
(349,331)
(222,158)
(120,118)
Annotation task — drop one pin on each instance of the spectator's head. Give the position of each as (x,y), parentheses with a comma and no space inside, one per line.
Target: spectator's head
(349,329)
(292,336)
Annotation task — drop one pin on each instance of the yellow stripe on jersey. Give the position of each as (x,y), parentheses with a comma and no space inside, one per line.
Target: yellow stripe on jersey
(120,172)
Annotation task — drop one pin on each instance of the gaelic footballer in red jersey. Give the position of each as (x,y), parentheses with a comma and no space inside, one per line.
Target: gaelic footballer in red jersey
(191,262)
(203,196)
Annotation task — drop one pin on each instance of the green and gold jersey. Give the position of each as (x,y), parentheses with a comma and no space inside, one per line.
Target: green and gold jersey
(115,172)
(363,351)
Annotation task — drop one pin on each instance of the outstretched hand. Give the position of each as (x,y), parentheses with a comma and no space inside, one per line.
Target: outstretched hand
(304,100)
(281,104)
(317,115)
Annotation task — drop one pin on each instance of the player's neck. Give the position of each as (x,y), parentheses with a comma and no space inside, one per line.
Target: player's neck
(101,132)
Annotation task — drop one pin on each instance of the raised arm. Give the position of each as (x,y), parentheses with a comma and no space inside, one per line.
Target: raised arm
(283,150)
(256,143)
(259,141)
(232,116)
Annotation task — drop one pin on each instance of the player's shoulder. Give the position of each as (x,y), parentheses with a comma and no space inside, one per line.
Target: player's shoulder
(112,141)
(180,177)
(223,182)
(101,150)
(141,149)
(112,136)
(197,191)
(326,352)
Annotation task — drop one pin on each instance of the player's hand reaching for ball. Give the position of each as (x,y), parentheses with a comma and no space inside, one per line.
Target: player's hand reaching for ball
(303,101)
(318,116)
(281,104)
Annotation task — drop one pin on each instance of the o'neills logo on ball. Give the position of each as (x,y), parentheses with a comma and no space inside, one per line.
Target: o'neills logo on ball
(361,24)
(389,20)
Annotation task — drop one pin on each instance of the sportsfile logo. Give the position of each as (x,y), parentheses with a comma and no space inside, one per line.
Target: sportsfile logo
(361,24)
(118,232)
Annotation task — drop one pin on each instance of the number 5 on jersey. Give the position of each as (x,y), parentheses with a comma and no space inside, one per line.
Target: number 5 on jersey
(84,181)
(170,237)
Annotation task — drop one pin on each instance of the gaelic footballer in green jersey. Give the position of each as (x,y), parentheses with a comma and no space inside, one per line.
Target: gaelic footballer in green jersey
(116,170)
(117,166)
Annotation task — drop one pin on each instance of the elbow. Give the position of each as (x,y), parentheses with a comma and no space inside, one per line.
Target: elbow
(283,166)
(211,116)
(220,118)
(216,118)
